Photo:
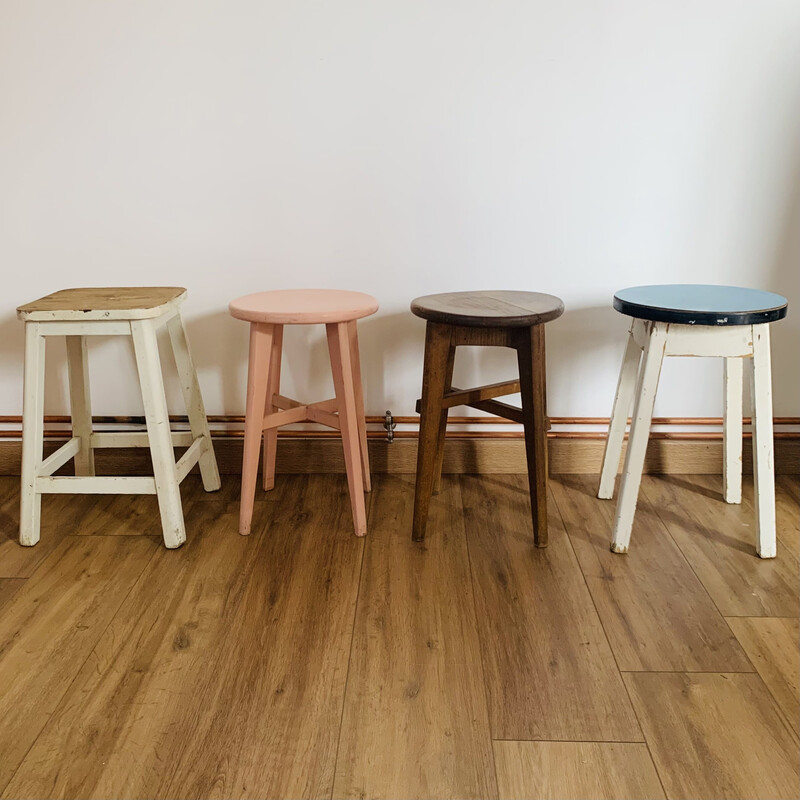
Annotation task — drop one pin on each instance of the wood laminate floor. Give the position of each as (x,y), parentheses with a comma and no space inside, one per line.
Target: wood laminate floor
(302,661)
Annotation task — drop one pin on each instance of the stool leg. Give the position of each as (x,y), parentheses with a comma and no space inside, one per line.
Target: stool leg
(438,340)
(32,435)
(80,402)
(533,389)
(148,363)
(732,430)
(352,331)
(273,388)
(646,388)
(193,400)
(763,458)
(261,337)
(344,381)
(442,432)
(623,400)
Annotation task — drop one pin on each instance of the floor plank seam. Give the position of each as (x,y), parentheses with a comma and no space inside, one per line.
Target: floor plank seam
(484,681)
(608,641)
(350,649)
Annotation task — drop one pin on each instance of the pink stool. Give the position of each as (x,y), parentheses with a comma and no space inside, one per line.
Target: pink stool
(267,409)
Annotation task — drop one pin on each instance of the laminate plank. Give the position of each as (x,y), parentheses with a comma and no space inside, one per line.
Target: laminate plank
(131,703)
(773,645)
(655,611)
(575,771)
(8,588)
(415,720)
(50,626)
(718,540)
(550,673)
(268,717)
(787,510)
(715,736)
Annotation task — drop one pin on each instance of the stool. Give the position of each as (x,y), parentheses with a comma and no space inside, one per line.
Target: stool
(695,320)
(495,319)
(138,313)
(267,409)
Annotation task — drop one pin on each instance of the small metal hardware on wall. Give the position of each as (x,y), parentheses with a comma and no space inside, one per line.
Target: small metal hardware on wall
(389,425)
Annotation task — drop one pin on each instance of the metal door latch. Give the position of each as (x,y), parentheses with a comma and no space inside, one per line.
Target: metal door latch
(389,425)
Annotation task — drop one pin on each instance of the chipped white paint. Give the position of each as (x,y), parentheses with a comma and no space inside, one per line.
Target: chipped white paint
(733,343)
(37,474)
(732,430)
(763,451)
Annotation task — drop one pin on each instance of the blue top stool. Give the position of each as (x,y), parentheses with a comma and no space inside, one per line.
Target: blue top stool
(695,320)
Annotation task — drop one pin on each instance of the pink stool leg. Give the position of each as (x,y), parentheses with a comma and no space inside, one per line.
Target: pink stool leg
(261,337)
(352,331)
(273,388)
(344,380)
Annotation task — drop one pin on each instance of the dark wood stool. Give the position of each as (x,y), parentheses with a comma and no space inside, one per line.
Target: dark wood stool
(495,319)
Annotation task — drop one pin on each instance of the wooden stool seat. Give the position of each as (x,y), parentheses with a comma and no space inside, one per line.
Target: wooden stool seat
(726,322)
(303,306)
(114,303)
(489,318)
(268,409)
(137,312)
(489,309)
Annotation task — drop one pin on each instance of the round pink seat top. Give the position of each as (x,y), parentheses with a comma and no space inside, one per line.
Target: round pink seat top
(303,306)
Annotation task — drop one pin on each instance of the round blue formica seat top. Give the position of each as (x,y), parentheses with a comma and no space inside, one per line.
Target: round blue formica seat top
(701,304)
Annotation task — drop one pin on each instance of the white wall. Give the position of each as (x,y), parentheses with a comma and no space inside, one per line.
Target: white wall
(399,148)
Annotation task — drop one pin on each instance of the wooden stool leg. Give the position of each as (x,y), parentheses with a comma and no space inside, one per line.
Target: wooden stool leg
(533,389)
(646,387)
(440,441)
(763,457)
(148,363)
(193,400)
(626,385)
(438,340)
(352,331)
(732,430)
(261,337)
(273,388)
(344,380)
(80,403)
(32,435)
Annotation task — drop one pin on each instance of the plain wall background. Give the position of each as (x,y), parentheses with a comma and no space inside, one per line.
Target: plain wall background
(399,148)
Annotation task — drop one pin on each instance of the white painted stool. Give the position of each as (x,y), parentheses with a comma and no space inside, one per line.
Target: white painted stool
(695,320)
(134,312)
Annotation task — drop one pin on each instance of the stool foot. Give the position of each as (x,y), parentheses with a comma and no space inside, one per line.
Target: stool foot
(32,435)
(646,388)
(261,338)
(344,381)
(732,430)
(148,363)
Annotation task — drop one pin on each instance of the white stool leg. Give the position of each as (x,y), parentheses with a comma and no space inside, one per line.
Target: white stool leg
(32,434)
(763,458)
(619,416)
(80,403)
(646,388)
(732,430)
(193,399)
(145,347)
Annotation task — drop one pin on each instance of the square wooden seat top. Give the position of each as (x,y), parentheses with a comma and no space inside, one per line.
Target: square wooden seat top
(112,303)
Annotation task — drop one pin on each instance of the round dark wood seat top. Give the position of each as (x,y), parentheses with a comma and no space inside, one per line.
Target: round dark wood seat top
(495,309)
(701,304)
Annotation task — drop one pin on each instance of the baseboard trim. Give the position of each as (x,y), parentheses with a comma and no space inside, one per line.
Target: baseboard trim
(483,454)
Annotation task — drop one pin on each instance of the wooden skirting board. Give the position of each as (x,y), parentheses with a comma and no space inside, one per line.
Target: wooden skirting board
(308,454)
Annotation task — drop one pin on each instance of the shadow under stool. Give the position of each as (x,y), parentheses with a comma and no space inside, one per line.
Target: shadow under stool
(695,320)
(492,318)
(137,312)
(267,409)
